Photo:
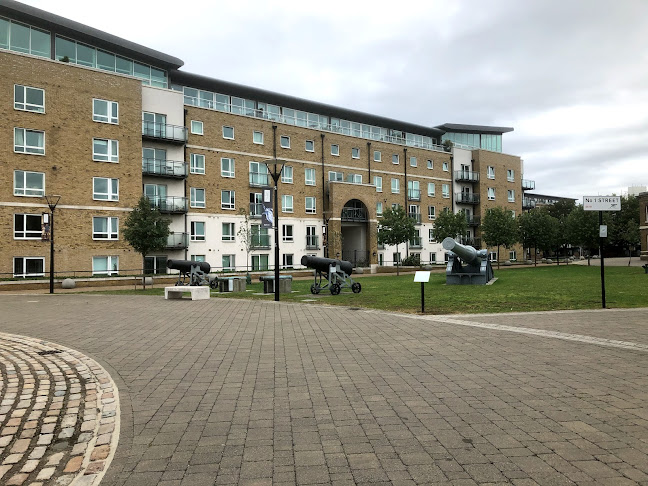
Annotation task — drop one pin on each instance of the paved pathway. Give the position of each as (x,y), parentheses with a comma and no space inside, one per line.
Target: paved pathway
(237,392)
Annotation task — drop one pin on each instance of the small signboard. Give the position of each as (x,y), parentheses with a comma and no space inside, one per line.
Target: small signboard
(267,217)
(603,231)
(602,203)
(422,276)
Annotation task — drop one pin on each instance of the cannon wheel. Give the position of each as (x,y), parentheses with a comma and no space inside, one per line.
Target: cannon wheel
(213,284)
(335,289)
(356,287)
(315,289)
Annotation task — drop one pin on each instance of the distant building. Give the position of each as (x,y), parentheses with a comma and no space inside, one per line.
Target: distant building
(636,190)
(643,224)
(537,200)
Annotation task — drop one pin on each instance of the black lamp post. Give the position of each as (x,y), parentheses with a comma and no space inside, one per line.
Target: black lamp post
(52,201)
(276,174)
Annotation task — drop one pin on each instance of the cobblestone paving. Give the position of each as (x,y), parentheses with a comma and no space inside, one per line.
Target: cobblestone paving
(235,392)
(58,415)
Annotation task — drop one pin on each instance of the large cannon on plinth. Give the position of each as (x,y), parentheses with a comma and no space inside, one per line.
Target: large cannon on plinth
(337,274)
(191,272)
(466,265)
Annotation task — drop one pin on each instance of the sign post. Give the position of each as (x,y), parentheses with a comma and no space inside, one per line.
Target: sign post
(600,204)
(422,277)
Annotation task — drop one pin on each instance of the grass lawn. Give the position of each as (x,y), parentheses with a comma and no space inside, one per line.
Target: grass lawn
(523,289)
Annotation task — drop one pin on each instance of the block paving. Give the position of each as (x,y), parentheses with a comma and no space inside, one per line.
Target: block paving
(227,391)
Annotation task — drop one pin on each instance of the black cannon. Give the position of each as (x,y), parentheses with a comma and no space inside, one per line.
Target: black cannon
(191,272)
(475,270)
(337,274)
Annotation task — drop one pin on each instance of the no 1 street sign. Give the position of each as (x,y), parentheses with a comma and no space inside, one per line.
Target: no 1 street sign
(602,203)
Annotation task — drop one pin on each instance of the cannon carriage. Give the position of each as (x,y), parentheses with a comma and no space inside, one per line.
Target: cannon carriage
(335,273)
(192,273)
(466,265)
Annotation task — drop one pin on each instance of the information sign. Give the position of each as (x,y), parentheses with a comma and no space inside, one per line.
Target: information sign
(602,203)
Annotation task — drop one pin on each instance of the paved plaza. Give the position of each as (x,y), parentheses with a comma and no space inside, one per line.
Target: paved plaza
(240,392)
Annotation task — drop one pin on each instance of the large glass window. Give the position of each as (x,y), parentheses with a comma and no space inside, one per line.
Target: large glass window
(29,183)
(106,61)
(105,265)
(4,33)
(259,262)
(29,99)
(229,263)
(104,189)
(28,267)
(104,150)
(105,228)
(23,38)
(27,226)
(258,174)
(29,141)
(86,55)
(66,49)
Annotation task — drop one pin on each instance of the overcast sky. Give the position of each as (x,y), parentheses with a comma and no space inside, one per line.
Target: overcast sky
(570,76)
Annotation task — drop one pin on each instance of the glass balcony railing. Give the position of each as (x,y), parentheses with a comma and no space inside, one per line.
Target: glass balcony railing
(474,221)
(259,179)
(260,241)
(177,241)
(416,242)
(169,204)
(466,176)
(467,198)
(256,210)
(164,131)
(416,217)
(528,203)
(528,185)
(414,194)
(312,242)
(164,168)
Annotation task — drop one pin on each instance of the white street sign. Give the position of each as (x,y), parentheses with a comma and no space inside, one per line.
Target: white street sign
(602,203)
(603,231)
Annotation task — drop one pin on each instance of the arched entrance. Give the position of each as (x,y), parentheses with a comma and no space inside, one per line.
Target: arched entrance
(355,233)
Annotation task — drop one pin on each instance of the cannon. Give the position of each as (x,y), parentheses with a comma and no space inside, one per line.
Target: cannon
(466,265)
(191,272)
(337,274)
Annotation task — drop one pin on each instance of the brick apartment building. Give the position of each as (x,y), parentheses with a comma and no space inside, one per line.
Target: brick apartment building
(100,121)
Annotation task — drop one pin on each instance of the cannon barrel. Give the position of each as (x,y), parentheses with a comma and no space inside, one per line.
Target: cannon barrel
(322,264)
(185,265)
(467,253)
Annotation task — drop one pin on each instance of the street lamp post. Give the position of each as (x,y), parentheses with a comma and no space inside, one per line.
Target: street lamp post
(52,201)
(276,174)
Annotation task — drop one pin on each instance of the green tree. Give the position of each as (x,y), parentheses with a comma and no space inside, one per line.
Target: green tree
(536,230)
(449,224)
(395,227)
(145,229)
(583,229)
(623,231)
(499,228)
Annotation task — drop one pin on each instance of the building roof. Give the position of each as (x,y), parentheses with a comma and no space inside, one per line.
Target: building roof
(459,127)
(97,38)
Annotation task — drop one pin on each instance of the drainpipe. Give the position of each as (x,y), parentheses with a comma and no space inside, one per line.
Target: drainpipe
(186,218)
(405,191)
(324,222)
(369,160)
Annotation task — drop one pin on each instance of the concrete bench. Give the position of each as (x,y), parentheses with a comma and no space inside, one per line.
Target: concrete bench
(285,284)
(197,292)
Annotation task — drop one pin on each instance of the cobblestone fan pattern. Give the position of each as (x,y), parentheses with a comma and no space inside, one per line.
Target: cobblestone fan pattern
(58,415)
(224,392)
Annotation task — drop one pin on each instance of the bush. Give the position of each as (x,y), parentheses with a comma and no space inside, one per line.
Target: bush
(412,261)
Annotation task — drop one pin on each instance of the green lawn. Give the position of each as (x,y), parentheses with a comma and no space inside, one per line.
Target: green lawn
(524,289)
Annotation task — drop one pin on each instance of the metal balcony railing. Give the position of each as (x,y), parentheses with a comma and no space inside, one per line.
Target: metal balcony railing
(414,194)
(354,214)
(474,221)
(165,168)
(164,131)
(472,241)
(528,185)
(312,242)
(416,242)
(466,198)
(416,217)
(256,210)
(259,179)
(466,176)
(260,241)
(528,203)
(177,241)
(169,204)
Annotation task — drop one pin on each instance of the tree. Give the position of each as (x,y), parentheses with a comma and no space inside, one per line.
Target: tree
(395,227)
(623,231)
(536,229)
(583,229)
(449,224)
(247,242)
(145,229)
(499,228)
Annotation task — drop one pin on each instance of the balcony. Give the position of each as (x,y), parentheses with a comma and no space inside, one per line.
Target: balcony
(165,132)
(474,242)
(259,179)
(416,217)
(354,214)
(312,242)
(256,210)
(474,221)
(414,194)
(164,168)
(169,204)
(528,203)
(466,176)
(177,241)
(260,242)
(466,198)
(416,242)
(528,185)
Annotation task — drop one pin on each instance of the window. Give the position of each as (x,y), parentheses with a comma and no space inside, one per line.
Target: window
(227,167)
(288,260)
(286,203)
(512,255)
(511,195)
(377,156)
(355,153)
(27,226)
(228,263)
(310,146)
(512,214)
(395,159)
(258,174)
(490,171)
(309,175)
(228,132)
(378,183)
(432,257)
(492,256)
(197,198)
(287,174)
(105,265)
(335,149)
(105,150)
(227,199)
(105,111)
(379,209)
(287,232)
(510,175)
(430,165)
(284,141)
(396,257)
(29,99)
(104,189)
(29,183)
(431,235)
(198,258)
(259,262)
(23,38)
(28,266)
(310,205)
(197,231)
(395,186)
(196,127)
(228,232)
(336,176)
(155,265)
(445,190)
(197,164)
(491,193)
(413,162)
(104,228)
(444,166)
(257,137)
(29,141)
(431,189)
(431,212)
(354,178)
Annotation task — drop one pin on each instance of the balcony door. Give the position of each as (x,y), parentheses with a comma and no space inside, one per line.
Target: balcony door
(153,160)
(154,124)
(155,192)
(465,170)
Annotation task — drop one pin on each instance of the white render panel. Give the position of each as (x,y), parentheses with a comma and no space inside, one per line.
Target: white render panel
(165,102)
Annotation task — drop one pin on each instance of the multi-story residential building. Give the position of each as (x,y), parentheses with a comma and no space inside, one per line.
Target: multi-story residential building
(643,224)
(100,121)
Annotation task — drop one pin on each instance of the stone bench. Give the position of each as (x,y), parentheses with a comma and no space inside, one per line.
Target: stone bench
(285,284)
(197,292)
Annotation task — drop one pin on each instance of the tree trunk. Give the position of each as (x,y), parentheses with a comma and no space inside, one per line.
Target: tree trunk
(629,253)
(143,270)
(558,256)
(397,262)
(535,256)
(498,259)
